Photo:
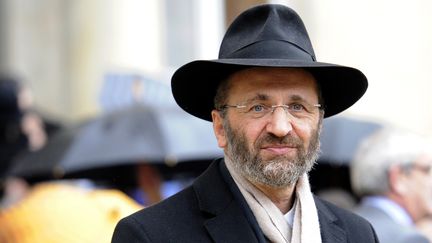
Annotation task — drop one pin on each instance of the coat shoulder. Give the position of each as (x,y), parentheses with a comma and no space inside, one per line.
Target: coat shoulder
(389,230)
(166,221)
(340,213)
(181,217)
(354,227)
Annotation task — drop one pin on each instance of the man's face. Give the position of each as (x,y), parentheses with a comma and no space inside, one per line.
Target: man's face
(419,188)
(271,146)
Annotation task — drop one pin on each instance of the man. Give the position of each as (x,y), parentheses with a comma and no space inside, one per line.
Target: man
(392,172)
(266,96)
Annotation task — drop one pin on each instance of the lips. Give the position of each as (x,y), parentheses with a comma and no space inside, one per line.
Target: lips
(271,146)
(279,149)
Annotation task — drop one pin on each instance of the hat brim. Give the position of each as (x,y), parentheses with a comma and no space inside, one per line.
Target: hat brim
(194,84)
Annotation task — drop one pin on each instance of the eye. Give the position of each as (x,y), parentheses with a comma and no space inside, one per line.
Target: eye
(258,108)
(297,107)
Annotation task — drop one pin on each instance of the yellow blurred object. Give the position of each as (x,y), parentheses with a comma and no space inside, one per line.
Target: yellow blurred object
(55,212)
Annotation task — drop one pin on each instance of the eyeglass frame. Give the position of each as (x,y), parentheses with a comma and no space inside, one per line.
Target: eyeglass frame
(272,108)
(427,169)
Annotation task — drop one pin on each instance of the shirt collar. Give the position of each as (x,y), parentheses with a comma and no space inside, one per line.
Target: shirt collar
(390,207)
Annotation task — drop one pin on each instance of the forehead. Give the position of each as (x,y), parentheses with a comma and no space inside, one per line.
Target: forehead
(277,81)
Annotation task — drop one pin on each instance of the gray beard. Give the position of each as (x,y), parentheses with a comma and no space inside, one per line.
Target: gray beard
(278,172)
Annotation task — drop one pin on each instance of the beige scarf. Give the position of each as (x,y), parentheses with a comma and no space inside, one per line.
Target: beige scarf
(270,218)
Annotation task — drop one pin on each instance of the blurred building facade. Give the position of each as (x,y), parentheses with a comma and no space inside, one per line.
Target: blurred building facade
(65,49)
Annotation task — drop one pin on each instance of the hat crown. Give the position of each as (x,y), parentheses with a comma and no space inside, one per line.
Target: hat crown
(270,36)
(276,30)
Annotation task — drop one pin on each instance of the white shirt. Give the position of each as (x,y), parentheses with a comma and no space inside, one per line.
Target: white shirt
(289,216)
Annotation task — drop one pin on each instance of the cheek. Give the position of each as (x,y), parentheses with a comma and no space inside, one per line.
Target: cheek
(427,192)
(418,188)
(304,132)
(425,199)
(251,132)
(308,130)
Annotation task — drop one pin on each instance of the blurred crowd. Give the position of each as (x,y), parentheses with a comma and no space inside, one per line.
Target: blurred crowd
(50,207)
(389,182)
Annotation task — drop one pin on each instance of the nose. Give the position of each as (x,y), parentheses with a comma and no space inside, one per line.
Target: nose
(280,122)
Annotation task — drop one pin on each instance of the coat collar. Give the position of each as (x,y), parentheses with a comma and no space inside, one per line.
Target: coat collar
(226,221)
(331,232)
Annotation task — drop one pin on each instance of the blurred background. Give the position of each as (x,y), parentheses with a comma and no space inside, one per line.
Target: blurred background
(71,53)
(75,67)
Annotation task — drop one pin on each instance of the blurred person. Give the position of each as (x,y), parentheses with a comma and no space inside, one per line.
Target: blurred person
(56,211)
(266,96)
(21,129)
(149,183)
(151,186)
(391,171)
(12,137)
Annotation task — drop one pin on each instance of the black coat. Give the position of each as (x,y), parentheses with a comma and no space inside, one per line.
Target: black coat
(213,210)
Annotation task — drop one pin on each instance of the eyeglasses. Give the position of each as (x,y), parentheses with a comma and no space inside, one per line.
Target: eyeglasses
(423,168)
(427,169)
(260,110)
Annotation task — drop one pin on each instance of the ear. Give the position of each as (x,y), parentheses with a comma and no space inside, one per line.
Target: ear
(219,129)
(396,178)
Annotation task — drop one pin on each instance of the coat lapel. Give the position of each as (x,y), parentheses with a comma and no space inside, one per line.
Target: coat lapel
(230,226)
(226,221)
(330,230)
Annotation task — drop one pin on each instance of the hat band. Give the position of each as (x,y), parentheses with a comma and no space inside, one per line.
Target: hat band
(270,49)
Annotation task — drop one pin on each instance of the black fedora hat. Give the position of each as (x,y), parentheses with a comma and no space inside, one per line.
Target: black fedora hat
(269,35)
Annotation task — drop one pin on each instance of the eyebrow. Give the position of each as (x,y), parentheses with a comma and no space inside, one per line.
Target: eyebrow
(258,97)
(298,98)
(265,97)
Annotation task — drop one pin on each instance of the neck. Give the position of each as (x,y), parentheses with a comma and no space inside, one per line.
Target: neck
(283,197)
(410,208)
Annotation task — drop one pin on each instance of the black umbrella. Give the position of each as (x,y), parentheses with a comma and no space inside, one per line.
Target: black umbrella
(137,134)
(41,164)
(341,136)
(340,139)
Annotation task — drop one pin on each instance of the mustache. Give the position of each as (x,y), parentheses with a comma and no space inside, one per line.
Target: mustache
(269,138)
